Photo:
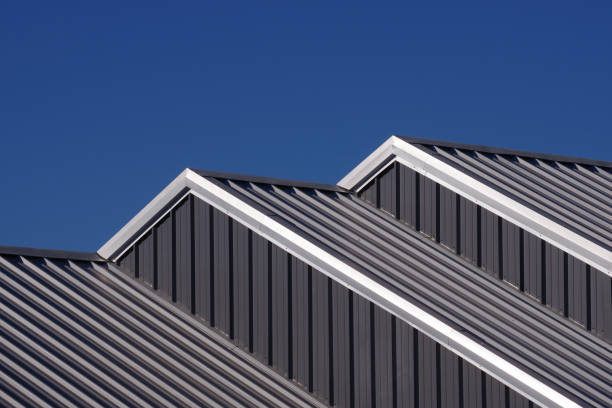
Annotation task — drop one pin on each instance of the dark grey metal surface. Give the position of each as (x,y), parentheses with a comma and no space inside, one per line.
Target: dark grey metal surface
(380,247)
(576,193)
(554,278)
(550,348)
(50,253)
(507,152)
(78,333)
(269,180)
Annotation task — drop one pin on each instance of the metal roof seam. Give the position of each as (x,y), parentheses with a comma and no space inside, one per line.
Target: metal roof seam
(590,245)
(115,345)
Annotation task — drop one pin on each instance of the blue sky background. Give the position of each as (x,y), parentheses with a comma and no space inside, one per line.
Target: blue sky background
(102,105)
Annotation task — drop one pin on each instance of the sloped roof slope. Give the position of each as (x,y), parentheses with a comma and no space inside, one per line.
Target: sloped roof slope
(80,333)
(564,200)
(543,344)
(576,193)
(534,351)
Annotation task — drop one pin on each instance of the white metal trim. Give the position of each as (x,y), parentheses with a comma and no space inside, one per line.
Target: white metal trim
(483,195)
(139,220)
(328,264)
(374,159)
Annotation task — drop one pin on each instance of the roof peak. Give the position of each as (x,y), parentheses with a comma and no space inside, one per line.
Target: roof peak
(506,151)
(438,167)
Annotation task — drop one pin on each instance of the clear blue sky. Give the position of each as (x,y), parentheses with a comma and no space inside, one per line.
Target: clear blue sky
(102,105)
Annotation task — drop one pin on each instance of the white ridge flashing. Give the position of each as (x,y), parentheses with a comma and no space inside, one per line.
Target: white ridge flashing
(481,194)
(109,249)
(306,251)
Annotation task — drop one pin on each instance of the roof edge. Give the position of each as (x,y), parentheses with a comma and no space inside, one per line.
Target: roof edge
(406,153)
(308,252)
(269,180)
(506,151)
(162,203)
(370,166)
(170,196)
(51,253)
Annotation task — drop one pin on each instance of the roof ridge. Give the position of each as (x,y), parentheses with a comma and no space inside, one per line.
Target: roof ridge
(506,151)
(51,253)
(436,167)
(308,250)
(268,180)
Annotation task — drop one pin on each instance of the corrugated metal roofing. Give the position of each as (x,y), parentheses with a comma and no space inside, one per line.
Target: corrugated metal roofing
(574,192)
(570,287)
(81,333)
(570,360)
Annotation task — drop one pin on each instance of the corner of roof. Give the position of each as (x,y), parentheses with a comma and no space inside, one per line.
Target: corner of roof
(406,150)
(174,192)
(370,165)
(158,205)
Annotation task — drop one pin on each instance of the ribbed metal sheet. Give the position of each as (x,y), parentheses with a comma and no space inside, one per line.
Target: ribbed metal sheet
(569,359)
(78,333)
(555,278)
(575,195)
(336,344)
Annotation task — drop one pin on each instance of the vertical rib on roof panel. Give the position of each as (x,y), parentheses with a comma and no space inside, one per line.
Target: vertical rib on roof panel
(202,214)
(320,334)
(242,279)
(386,190)
(261,297)
(341,344)
(183,242)
(165,256)
(362,351)
(300,320)
(384,353)
(280,308)
(351,338)
(221,261)
(489,241)
(146,258)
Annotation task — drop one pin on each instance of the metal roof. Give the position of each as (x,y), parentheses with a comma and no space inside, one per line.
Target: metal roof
(575,193)
(51,253)
(565,201)
(517,341)
(269,180)
(508,152)
(574,363)
(82,333)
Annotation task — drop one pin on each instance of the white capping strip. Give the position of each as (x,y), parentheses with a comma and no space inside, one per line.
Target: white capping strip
(306,251)
(156,205)
(481,194)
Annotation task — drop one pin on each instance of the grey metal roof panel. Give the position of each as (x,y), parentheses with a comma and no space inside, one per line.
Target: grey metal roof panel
(269,180)
(570,360)
(564,201)
(506,151)
(51,253)
(576,193)
(81,333)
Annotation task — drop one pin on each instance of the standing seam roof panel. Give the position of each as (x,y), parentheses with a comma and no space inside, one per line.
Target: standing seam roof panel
(509,328)
(586,214)
(81,333)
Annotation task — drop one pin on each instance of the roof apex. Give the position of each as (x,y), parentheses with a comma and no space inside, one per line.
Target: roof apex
(407,151)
